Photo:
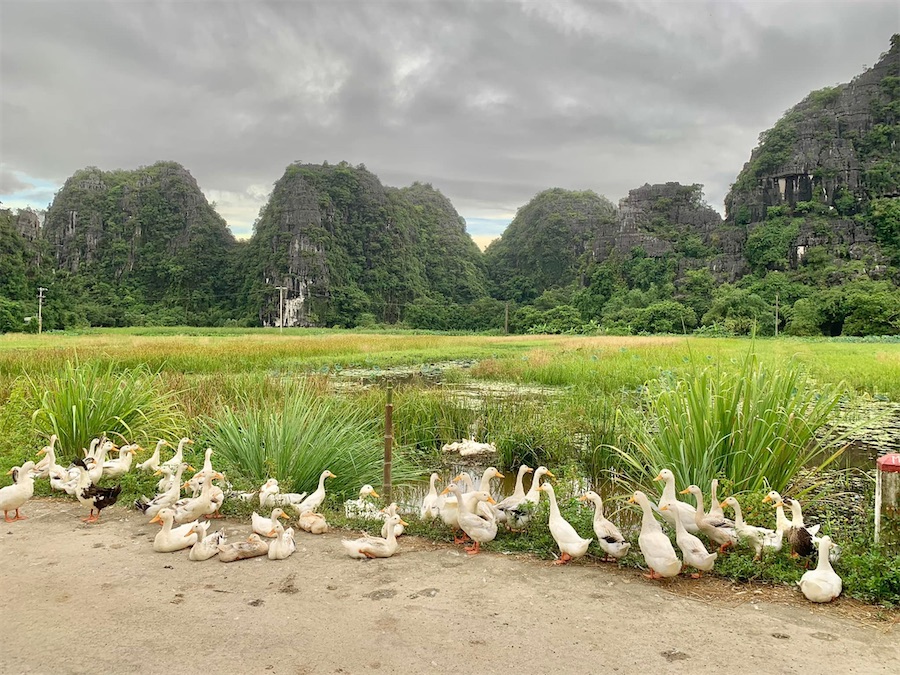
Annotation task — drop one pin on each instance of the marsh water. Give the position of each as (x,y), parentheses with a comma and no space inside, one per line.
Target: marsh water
(872,428)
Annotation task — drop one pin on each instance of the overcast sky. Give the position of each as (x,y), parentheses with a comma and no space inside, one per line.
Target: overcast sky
(491,102)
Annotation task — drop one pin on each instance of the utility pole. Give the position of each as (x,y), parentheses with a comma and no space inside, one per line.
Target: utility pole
(776,315)
(41,290)
(281,290)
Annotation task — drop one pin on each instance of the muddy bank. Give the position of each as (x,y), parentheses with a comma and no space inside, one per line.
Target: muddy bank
(88,599)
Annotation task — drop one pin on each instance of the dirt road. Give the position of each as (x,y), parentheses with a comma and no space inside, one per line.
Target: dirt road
(97,599)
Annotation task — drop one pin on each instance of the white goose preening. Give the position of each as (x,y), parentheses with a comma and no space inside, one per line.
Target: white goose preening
(312,522)
(692,549)
(571,544)
(654,544)
(374,547)
(669,497)
(608,535)
(821,584)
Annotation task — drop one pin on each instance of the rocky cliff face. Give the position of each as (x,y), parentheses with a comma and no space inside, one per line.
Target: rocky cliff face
(839,147)
(150,231)
(344,245)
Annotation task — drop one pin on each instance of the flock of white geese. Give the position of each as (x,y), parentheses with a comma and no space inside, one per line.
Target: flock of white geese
(461,506)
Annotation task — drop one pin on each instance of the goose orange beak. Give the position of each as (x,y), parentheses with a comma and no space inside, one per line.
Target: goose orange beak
(550,473)
(500,475)
(664,507)
(156,519)
(685,491)
(404,523)
(446,490)
(659,477)
(490,500)
(723,504)
(632,500)
(375,494)
(283,515)
(767,499)
(582,498)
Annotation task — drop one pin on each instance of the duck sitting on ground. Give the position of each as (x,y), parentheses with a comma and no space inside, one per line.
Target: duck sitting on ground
(363,507)
(821,584)
(207,545)
(374,547)
(241,550)
(265,526)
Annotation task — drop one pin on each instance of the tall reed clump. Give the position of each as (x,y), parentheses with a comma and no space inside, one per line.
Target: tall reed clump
(305,436)
(755,426)
(92,399)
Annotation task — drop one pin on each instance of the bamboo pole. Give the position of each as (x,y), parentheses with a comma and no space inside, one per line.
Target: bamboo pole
(388,441)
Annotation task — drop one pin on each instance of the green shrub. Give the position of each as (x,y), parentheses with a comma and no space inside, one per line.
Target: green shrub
(88,400)
(753,425)
(308,434)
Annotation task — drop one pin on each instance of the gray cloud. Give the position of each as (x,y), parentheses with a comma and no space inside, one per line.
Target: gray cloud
(489,101)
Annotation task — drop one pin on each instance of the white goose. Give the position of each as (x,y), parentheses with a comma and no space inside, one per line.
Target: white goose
(479,529)
(270,495)
(608,535)
(266,526)
(431,504)
(534,494)
(170,538)
(48,463)
(387,512)
(283,544)
(669,497)
(718,528)
(692,549)
(187,510)
(362,507)
(570,543)
(152,464)
(178,458)
(374,547)
(207,545)
(757,537)
(654,544)
(508,510)
(12,497)
(116,468)
(167,499)
(821,584)
(315,500)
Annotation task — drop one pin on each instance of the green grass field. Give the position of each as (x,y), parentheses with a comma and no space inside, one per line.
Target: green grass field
(570,403)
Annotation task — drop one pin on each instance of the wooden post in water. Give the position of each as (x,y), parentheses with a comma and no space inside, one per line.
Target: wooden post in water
(388,440)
